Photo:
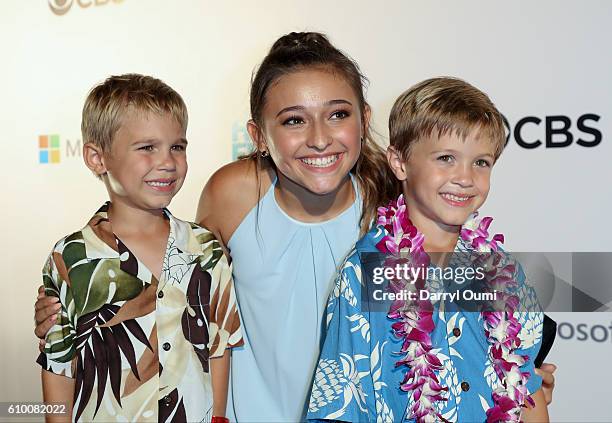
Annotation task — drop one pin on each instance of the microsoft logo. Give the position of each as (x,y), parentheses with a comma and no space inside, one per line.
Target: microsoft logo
(48,149)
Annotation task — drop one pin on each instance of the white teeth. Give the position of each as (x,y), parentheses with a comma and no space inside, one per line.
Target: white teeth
(454,197)
(159,184)
(321,161)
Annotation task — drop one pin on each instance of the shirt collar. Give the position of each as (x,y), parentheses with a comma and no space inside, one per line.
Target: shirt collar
(101,242)
(367,244)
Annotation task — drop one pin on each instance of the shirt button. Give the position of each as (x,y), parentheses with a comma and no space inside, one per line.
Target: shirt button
(456,332)
(465,386)
(167,400)
(160,294)
(166,346)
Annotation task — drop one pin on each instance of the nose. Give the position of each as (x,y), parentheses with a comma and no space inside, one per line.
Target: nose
(320,137)
(166,161)
(464,175)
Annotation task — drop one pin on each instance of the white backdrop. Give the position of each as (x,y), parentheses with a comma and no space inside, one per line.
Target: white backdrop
(539,59)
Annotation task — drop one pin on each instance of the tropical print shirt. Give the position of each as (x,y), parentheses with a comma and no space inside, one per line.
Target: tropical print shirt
(137,347)
(356,379)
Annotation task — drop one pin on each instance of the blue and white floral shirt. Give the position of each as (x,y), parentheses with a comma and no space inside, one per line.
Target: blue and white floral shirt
(356,379)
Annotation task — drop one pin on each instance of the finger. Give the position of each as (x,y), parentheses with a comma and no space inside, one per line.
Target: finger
(548,367)
(42,328)
(44,313)
(42,293)
(548,385)
(45,302)
(547,396)
(547,377)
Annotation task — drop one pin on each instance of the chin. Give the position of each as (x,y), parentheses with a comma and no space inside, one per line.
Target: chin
(159,204)
(323,189)
(325,186)
(454,220)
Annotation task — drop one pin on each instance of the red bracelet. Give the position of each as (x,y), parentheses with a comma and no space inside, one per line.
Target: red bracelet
(219,419)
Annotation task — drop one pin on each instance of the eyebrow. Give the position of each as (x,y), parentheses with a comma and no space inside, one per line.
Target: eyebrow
(457,151)
(300,108)
(153,140)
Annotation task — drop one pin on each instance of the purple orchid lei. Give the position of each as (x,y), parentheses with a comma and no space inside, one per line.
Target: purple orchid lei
(414,320)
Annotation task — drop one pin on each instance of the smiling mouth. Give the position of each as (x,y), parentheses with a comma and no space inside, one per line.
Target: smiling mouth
(161,184)
(456,199)
(321,162)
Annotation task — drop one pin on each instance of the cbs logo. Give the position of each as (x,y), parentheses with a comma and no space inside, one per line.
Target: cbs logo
(61,7)
(556,131)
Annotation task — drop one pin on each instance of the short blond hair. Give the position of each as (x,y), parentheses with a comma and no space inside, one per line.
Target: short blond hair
(108,102)
(443,105)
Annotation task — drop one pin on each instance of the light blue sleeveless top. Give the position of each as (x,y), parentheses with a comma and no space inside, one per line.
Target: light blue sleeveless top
(283,273)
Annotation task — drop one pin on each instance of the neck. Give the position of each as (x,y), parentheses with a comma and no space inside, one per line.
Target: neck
(128,219)
(309,207)
(438,238)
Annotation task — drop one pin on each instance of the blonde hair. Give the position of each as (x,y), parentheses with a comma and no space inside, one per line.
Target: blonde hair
(440,106)
(107,102)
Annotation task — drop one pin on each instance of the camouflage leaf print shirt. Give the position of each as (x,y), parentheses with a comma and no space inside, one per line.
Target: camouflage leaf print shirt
(138,348)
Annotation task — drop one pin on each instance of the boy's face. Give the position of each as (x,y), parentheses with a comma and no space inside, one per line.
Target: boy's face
(147,164)
(447,178)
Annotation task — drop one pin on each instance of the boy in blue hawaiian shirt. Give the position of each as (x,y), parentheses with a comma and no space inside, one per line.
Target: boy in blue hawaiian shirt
(432,364)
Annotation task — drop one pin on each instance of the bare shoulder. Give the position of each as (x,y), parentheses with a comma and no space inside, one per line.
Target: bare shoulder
(229,195)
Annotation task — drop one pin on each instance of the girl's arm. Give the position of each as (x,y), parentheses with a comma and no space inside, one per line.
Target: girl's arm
(546,372)
(58,390)
(219,372)
(539,413)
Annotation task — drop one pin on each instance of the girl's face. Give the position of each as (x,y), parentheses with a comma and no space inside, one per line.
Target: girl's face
(312,128)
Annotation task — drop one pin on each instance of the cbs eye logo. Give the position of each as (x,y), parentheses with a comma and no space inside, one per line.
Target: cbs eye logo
(61,7)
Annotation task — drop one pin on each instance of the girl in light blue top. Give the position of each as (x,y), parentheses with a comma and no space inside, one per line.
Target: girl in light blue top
(290,213)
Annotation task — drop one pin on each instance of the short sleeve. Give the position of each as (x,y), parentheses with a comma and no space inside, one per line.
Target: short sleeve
(224,325)
(60,350)
(342,388)
(531,318)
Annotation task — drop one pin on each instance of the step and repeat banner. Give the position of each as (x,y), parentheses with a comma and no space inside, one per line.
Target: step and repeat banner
(545,64)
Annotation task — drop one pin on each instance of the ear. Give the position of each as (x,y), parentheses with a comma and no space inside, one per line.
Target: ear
(367,114)
(257,136)
(94,159)
(397,164)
